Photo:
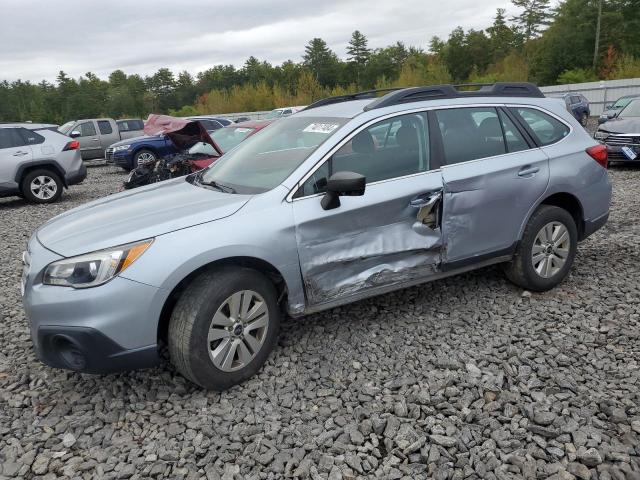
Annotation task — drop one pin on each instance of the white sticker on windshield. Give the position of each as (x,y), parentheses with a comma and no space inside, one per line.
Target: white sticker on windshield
(321,127)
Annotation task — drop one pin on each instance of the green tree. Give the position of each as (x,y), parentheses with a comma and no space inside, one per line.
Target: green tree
(534,16)
(321,61)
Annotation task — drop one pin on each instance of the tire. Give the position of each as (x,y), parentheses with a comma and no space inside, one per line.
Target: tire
(41,186)
(584,120)
(536,275)
(144,154)
(195,336)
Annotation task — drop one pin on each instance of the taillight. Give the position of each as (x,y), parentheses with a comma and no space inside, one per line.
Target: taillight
(599,154)
(72,145)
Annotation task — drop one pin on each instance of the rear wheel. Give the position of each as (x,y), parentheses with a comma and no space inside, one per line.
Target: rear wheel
(547,250)
(584,120)
(223,327)
(41,186)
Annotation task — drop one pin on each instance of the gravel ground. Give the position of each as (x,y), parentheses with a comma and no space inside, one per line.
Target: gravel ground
(468,377)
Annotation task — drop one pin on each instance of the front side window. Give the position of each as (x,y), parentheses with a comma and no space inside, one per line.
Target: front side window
(264,160)
(86,129)
(389,149)
(544,127)
(622,102)
(470,133)
(105,127)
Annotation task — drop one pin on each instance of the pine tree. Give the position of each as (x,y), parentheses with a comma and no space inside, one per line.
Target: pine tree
(534,17)
(357,50)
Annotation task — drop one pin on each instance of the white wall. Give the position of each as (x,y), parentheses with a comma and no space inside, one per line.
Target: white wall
(599,93)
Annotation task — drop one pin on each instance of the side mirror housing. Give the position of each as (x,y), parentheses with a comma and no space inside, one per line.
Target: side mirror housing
(609,106)
(341,184)
(74,134)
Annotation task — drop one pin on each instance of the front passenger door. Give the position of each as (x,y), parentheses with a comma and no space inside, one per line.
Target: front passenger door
(90,146)
(389,236)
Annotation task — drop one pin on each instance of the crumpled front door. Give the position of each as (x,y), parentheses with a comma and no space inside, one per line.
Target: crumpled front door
(389,236)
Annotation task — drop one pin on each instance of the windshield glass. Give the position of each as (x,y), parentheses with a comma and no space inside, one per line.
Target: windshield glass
(267,158)
(631,110)
(228,137)
(64,129)
(274,114)
(622,102)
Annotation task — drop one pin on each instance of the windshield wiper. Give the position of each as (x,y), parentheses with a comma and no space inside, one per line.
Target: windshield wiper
(219,186)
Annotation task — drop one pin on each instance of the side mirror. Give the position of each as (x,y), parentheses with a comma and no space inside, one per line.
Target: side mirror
(340,184)
(74,134)
(608,107)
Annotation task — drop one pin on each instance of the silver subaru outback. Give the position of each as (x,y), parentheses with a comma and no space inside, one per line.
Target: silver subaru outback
(352,197)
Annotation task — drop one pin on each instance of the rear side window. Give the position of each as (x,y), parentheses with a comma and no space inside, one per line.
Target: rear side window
(86,129)
(30,137)
(9,138)
(513,139)
(105,127)
(470,133)
(545,128)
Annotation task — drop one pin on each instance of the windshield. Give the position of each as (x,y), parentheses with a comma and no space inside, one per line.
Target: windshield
(631,110)
(274,114)
(64,129)
(267,158)
(228,137)
(622,102)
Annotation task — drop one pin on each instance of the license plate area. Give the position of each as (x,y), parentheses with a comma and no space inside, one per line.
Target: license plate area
(630,153)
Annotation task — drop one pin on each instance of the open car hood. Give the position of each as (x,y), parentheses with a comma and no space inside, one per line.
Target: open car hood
(183,133)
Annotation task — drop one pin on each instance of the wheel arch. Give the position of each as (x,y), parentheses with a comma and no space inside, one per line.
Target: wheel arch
(254,263)
(42,164)
(566,201)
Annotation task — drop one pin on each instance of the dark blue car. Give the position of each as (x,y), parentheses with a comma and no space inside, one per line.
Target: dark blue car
(127,153)
(577,104)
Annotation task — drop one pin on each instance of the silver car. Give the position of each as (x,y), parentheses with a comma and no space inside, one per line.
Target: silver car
(37,162)
(353,197)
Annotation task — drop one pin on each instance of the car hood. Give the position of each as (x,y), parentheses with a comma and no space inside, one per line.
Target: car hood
(135,215)
(622,125)
(141,138)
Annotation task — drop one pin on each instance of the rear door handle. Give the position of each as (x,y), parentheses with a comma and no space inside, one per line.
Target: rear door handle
(95,139)
(20,154)
(528,171)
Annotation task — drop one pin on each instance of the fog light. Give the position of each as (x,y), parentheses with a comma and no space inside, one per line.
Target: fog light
(71,356)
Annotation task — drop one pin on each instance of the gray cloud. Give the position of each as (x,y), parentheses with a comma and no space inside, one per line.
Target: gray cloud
(40,37)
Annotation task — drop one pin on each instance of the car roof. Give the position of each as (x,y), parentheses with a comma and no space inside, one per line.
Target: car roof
(28,125)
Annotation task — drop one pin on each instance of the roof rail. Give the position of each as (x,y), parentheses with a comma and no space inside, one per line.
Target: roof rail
(437,92)
(351,96)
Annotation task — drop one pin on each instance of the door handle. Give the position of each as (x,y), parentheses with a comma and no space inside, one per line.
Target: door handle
(20,154)
(528,171)
(95,139)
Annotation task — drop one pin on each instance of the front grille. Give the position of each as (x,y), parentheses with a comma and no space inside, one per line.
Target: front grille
(108,153)
(616,156)
(622,140)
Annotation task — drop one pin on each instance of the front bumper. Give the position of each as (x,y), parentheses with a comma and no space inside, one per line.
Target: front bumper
(615,153)
(121,158)
(109,328)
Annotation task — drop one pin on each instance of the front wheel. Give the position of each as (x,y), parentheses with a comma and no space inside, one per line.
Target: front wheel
(223,327)
(547,250)
(584,120)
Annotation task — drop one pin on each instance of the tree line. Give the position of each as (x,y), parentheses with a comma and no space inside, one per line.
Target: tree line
(541,44)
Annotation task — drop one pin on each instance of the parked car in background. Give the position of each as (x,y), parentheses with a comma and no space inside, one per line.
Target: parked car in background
(612,110)
(129,127)
(577,104)
(38,163)
(33,126)
(283,112)
(621,134)
(147,149)
(96,134)
(310,214)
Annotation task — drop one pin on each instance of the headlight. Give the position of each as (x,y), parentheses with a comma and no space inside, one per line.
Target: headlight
(121,147)
(93,269)
(600,135)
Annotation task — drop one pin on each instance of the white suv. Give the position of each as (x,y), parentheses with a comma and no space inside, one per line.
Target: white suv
(37,162)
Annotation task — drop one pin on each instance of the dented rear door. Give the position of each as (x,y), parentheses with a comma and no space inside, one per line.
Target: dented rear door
(388,236)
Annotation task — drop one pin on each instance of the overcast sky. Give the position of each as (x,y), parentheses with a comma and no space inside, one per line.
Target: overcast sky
(38,38)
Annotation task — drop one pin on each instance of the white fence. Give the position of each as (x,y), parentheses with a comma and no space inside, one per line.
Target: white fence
(599,93)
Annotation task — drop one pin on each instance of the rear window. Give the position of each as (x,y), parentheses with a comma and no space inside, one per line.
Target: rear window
(105,127)
(545,128)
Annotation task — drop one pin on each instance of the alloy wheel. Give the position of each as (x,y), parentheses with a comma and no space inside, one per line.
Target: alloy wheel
(550,249)
(238,330)
(43,187)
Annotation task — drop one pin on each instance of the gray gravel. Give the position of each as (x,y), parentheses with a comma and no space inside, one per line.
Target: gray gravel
(468,377)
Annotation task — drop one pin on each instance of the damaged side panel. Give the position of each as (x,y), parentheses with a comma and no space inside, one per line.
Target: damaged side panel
(389,236)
